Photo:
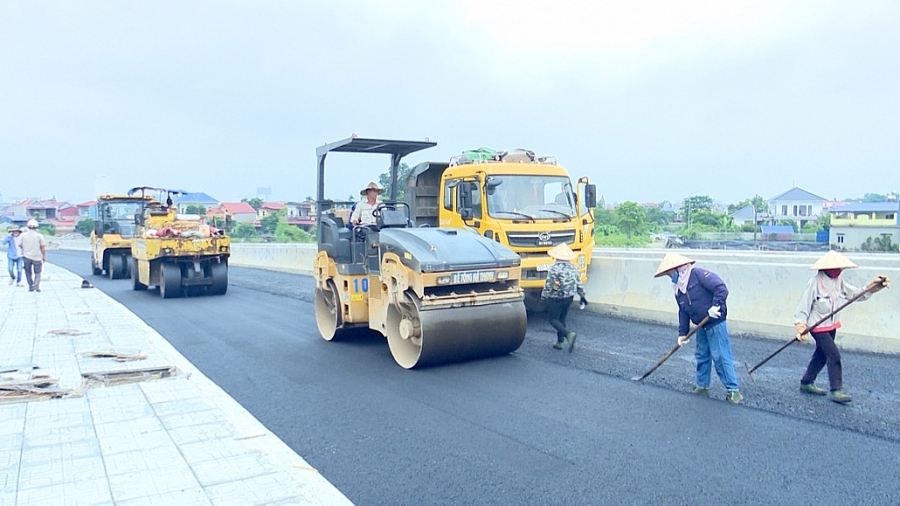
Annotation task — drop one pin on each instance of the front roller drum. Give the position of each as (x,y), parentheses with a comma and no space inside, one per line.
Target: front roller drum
(420,338)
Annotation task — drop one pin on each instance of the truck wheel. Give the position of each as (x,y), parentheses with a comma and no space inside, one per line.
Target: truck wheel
(136,284)
(115,266)
(218,271)
(169,280)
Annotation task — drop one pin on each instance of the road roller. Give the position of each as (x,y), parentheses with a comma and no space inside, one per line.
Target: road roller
(436,294)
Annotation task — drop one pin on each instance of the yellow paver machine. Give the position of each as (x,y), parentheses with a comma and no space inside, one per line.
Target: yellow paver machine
(179,253)
(437,294)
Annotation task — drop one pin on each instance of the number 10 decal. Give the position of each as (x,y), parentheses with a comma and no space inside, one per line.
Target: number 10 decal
(365,285)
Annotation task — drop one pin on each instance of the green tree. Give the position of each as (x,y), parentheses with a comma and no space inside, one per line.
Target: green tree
(244,231)
(759,204)
(47,229)
(385,180)
(255,202)
(823,221)
(270,222)
(655,214)
(85,226)
(630,218)
(290,233)
(195,209)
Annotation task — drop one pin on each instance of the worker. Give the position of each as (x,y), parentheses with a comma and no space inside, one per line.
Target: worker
(701,293)
(563,282)
(824,293)
(362,215)
(34,249)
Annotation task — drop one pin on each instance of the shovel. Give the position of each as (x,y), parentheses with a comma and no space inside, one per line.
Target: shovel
(672,351)
(814,325)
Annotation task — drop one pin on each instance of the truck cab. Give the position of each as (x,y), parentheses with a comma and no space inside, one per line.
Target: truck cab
(522,201)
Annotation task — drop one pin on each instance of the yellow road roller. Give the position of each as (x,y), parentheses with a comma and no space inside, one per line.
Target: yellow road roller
(113,231)
(176,252)
(437,294)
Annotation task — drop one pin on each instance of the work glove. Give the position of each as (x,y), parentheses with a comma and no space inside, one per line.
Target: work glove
(584,302)
(878,283)
(682,340)
(714,312)
(801,328)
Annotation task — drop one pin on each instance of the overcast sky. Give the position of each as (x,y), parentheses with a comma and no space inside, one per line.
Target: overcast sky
(653,100)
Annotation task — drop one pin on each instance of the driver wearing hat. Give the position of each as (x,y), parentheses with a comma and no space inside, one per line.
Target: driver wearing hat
(362,214)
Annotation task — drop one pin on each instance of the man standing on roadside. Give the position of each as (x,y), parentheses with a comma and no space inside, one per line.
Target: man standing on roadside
(34,249)
(14,255)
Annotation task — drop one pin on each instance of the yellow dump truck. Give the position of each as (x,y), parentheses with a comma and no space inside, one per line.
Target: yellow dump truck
(437,294)
(515,198)
(178,253)
(113,232)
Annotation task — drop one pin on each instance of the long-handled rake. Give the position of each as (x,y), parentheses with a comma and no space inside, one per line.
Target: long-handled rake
(814,325)
(673,350)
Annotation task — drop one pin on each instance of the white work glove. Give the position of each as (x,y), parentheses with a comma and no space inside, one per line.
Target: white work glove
(714,312)
(682,340)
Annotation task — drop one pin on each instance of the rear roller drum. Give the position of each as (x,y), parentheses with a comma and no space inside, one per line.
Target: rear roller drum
(136,284)
(115,266)
(328,311)
(169,280)
(419,337)
(218,271)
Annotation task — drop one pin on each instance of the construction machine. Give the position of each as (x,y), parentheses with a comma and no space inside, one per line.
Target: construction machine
(113,232)
(514,198)
(437,294)
(179,253)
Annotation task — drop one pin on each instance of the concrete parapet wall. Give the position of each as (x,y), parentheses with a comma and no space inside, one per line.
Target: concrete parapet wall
(764,288)
(296,258)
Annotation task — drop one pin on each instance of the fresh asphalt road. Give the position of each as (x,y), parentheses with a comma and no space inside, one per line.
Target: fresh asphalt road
(539,426)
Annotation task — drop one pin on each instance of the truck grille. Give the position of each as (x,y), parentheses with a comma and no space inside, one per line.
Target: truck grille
(535,239)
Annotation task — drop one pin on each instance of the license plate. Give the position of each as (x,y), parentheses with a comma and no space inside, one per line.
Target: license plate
(543,267)
(467,277)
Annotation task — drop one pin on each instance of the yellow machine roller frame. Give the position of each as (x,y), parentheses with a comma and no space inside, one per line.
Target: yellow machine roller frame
(437,294)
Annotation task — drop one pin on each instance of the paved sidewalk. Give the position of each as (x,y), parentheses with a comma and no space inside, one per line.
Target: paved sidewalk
(151,431)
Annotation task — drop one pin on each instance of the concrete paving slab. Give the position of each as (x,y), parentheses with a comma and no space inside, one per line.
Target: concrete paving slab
(152,431)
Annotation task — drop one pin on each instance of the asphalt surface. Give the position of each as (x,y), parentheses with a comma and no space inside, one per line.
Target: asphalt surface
(539,426)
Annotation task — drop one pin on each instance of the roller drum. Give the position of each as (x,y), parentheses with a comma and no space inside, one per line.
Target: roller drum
(420,337)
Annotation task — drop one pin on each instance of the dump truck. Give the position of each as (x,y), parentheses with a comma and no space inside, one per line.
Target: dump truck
(514,198)
(437,294)
(113,232)
(178,253)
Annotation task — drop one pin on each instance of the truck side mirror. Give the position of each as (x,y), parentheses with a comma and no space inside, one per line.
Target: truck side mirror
(491,184)
(98,228)
(590,196)
(466,213)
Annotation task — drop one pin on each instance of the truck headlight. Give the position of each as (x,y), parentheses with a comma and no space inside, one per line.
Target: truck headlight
(581,261)
(503,275)
(443,280)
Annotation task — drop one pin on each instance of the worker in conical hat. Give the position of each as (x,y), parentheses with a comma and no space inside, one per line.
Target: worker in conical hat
(563,282)
(701,293)
(362,212)
(824,293)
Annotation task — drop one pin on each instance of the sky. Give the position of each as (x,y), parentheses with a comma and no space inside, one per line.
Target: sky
(652,100)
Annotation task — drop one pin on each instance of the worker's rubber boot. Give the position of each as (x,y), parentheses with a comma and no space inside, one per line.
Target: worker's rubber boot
(570,338)
(840,397)
(700,391)
(811,388)
(734,397)
(558,345)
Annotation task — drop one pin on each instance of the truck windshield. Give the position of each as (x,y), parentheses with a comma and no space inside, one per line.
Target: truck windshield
(536,197)
(119,217)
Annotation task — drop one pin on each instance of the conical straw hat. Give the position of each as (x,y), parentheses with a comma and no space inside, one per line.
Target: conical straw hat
(671,261)
(562,252)
(833,260)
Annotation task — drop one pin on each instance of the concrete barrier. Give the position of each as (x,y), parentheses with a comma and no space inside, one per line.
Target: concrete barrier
(295,258)
(764,288)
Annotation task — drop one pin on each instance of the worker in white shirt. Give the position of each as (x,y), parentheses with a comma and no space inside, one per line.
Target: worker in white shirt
(362,215)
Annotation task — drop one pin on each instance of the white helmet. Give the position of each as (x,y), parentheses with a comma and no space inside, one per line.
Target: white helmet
(32,224)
